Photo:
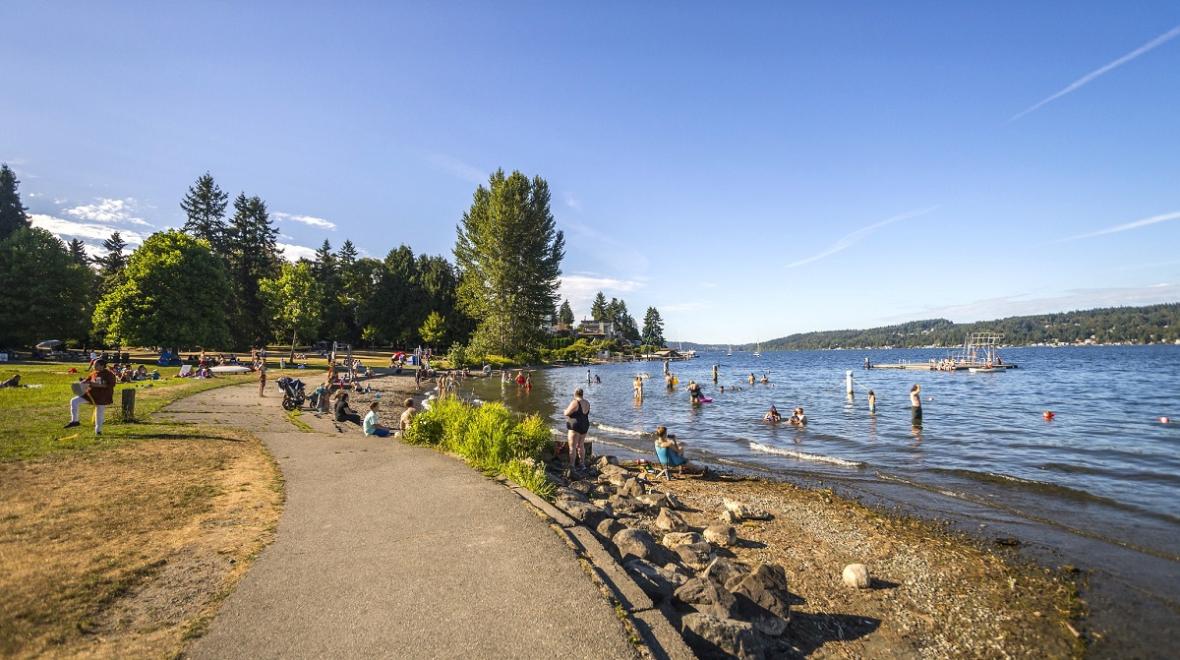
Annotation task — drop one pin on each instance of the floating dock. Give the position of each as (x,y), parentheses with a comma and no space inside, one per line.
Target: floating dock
(978,352)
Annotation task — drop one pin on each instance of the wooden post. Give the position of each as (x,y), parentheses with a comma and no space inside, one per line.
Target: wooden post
(128,407)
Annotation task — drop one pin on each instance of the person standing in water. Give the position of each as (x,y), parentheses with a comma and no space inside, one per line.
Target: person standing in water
(577,415)
(752,378)
(714,374)
(638,387)
(694,392)
(872,403)
(916,404)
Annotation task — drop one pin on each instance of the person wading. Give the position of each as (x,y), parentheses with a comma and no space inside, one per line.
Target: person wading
(578,422)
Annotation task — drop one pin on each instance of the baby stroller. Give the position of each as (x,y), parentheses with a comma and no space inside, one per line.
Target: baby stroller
(292,389)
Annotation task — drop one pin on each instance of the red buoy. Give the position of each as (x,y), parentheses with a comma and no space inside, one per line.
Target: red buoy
(1049,415)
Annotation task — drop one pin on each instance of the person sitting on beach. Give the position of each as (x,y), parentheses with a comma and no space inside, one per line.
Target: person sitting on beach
(798,419)
(407,417)
(669,451)
(371,425)
(773,415)
(340,410)
(694,392)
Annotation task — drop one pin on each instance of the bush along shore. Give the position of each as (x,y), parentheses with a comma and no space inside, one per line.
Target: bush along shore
(755,569)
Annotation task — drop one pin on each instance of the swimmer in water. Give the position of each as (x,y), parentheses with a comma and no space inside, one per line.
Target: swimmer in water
(872,403)
(752,379)
(694,392)
(765,379)
(798,419)
(773,416)
(638,387)
(669,382)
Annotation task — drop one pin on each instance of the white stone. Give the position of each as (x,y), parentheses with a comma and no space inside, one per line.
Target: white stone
(857,576)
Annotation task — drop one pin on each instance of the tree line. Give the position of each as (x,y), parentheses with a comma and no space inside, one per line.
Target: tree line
(1140,325)
(616,312)
(221,281)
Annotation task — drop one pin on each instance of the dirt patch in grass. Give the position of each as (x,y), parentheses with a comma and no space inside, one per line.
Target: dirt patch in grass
(128,551)
(936,594)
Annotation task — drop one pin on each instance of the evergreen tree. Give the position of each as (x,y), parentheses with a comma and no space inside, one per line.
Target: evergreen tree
(253,256)
(44,294)
(653,328)
(204,206)
(146,308)
(565,316)
(433,330)
(397,309)
(598,310)
(327,272)
(439,281)
(509,253)
(77,251)
(325,262)
(13,214)
(612,310)
(111,264)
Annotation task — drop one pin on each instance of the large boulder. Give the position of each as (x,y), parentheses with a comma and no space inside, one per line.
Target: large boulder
(631,488)
(657,581)
(608,527)
(857,576)
(705,596)
(673,539)
(583,487)
(604,461)
(763,599)
(708,635)
(584,512)
(695,555)
(564,493)
(723,571)
(613,474)
(722,536)
(634,542)
(626,505)
(670,521)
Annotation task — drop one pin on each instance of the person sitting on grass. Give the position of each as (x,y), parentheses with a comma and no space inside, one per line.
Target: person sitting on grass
(371,424)
(340,410)
(668,450)
(11,382)
(407,417)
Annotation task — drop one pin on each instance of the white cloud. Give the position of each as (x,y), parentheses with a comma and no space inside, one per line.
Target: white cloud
(1024,304)
(1080,82)
(459,169)
(1145,222)
(107,210)
(573,202)
(859,235)
(581,289)
(309,220)
(293,252)
(68,228)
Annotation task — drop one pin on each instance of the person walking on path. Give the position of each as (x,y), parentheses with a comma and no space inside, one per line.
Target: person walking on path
(916,404)
(262,379)
(99,392)
(577,414)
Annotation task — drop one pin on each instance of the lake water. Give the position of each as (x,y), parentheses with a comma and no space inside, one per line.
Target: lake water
(1102,478)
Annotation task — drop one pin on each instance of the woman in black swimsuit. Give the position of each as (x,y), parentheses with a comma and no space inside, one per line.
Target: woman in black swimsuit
(577,414)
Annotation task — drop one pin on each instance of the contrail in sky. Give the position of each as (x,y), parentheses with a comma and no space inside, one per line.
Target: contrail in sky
(859,235)
(1164,217)
(1080,82)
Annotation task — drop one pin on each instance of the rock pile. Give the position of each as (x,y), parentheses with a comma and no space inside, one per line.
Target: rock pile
(724,607)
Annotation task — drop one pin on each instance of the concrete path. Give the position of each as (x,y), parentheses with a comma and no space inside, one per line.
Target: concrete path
(388,550)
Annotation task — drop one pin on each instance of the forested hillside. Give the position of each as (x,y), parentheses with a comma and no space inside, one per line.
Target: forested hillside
(1140,325)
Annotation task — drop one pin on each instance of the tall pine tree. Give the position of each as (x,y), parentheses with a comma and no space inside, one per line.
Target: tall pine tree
(13,214)
(78,252)
(565,315)
(653,328)
(598,310)
(253,256)
(509,252)
(204,206)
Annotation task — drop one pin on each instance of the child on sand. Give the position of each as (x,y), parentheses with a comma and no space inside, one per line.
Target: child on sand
(371,425)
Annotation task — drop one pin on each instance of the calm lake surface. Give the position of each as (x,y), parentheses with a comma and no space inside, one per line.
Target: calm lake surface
(1104,468)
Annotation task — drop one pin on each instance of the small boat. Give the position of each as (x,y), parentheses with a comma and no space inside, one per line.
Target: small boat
(984,370)
(758,351)
(729,352)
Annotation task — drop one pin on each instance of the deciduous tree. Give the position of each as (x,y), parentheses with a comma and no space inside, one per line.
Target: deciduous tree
(44,294)
(294,300)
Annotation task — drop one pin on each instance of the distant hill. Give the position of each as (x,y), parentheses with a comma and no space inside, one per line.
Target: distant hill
(1137,325)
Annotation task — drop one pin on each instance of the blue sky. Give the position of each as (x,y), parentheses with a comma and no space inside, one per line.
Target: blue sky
(751,171)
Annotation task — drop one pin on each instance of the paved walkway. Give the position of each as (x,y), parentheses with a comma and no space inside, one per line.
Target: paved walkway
(388,550)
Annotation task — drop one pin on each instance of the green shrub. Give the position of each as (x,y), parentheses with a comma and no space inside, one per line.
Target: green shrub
(489,437)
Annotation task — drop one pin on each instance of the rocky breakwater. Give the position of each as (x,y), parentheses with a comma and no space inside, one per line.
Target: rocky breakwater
(721,606)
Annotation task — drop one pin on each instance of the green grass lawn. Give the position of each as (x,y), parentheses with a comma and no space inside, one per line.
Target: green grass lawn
(32,418)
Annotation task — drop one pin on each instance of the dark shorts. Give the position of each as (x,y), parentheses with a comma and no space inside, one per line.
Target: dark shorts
(916,413)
